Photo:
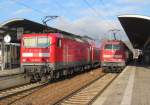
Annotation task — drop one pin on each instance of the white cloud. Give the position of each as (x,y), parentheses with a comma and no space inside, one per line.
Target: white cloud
(93,27)
(137,3)
(131,1)
(22,11)
(97,26)
(42,1)
(109,11)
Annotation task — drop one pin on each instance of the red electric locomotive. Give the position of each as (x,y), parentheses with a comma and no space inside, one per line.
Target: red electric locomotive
(114,55)
(51,55)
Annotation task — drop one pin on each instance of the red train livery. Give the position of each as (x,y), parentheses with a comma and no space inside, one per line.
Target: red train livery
(95,52)
(114,55)
(51,55)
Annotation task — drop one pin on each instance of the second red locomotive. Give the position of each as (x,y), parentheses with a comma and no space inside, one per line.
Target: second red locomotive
(114,55)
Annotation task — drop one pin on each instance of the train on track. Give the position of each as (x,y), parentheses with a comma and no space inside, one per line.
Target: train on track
(46,56)
(115,55)
(52,55)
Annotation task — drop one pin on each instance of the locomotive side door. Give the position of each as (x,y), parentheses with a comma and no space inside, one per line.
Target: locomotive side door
(65,54)
(89,54)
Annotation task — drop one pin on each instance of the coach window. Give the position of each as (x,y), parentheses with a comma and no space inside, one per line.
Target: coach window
(59,43)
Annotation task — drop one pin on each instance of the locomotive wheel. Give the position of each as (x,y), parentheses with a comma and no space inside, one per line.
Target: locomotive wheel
(82,68)
(34,78)
(57,75)
(44,79)
(104,69)
(70,73)
(65,72)
(48,77)
(61,74)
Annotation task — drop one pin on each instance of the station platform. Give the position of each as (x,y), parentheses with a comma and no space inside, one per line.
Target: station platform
(131,87)
(10,72)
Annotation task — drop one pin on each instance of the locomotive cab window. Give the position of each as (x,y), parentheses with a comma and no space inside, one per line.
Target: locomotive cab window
(43,42)
(29,42)
(36,42)
(116,47)
(59,43)
(112,47)
(108,46)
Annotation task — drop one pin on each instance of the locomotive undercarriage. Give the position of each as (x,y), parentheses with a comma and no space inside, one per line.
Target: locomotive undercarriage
(112,67)
(38,73)
(52,72)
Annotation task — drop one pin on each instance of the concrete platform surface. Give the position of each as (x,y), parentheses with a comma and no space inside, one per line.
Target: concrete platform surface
(131,87)
(12,81)
(11,72)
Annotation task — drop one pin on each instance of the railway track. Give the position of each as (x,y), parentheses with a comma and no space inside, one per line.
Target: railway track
(9,96)
(87,94)
(12,95)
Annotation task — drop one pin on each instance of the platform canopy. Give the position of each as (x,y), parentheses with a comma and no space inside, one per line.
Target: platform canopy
(137,28)
(14,26)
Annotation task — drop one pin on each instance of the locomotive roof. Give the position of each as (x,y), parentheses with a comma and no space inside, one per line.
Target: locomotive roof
(58,35)
(136,28)
(113,42)
(10,27)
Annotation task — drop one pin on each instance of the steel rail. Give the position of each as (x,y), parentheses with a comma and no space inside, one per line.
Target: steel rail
(87,94)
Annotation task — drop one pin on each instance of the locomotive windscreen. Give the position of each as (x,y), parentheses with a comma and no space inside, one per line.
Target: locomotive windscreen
(112,47)
(36,42)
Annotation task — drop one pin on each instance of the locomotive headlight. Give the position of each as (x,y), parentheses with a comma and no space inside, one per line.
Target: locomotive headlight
(106,56)
(117,56)
(119,60)
(24,60)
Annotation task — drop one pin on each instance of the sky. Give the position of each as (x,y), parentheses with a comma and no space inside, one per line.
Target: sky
(93,18)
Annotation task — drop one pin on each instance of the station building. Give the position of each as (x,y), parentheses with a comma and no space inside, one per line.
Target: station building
(138,32)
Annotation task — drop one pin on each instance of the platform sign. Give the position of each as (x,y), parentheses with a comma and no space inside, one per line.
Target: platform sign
(19,32)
